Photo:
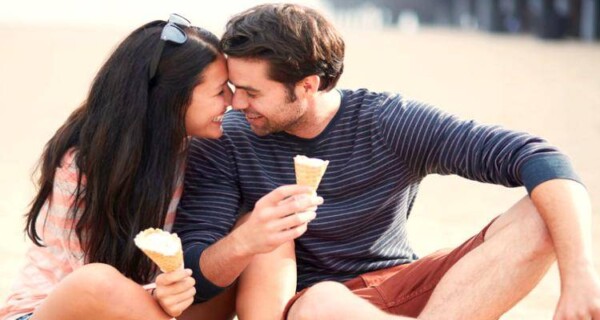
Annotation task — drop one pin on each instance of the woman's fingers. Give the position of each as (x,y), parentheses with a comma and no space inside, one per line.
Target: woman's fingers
(175,297)
(177,309)
(168,278)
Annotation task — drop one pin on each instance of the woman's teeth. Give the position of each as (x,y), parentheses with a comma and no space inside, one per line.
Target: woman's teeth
(218,119)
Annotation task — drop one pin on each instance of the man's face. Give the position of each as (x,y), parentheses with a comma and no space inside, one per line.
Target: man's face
(265,102)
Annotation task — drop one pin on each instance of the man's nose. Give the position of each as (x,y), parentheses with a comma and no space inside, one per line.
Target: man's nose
(239,102)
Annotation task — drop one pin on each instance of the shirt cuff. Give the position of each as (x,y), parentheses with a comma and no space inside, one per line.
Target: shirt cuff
(540,169)
(205,290)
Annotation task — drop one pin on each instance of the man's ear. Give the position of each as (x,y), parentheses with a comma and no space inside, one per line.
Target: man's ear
(309,85)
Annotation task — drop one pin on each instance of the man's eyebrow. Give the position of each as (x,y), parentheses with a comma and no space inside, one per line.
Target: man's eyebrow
(247,88)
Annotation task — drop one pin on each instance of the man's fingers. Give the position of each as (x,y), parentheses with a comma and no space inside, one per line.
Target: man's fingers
(298,203)
(295,220)
(574,313)
(292,233)
(274,197)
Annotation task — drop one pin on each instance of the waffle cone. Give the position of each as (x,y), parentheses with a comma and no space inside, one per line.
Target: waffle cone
(309,175)
(166,262)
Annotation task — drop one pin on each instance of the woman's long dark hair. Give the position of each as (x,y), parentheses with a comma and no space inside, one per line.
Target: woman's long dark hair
(130,142)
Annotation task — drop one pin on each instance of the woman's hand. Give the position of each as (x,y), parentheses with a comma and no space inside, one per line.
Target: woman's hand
(175,291)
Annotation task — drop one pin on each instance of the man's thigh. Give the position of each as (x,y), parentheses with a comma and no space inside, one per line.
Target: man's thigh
(405,289)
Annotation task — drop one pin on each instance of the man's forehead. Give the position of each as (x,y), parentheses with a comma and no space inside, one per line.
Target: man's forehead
(247,63)
(247,74)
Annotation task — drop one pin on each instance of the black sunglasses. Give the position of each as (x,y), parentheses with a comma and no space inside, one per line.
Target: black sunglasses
(171,32)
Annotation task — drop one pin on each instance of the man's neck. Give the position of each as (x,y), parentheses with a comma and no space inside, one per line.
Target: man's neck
(321,110)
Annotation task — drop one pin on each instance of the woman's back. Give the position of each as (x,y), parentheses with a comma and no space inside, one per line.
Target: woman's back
(46,266)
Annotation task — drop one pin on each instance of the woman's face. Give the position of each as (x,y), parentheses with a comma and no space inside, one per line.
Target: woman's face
(204,115)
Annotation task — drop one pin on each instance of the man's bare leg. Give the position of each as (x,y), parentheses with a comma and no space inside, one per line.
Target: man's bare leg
(334,301)
(492,278)
(484,284)
(267,284)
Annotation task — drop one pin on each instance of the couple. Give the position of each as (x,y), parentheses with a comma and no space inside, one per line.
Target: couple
(117,165)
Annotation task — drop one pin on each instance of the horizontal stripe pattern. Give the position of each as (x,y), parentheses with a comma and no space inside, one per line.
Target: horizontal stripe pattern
(379,146)
(46,266)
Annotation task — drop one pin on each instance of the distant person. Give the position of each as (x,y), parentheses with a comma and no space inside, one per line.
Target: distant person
(284,61)
(114,168)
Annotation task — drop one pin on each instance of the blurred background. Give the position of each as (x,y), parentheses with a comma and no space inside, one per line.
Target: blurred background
(528,65)
(546,19)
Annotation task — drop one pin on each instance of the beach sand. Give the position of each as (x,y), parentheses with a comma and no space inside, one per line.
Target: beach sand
(550,89)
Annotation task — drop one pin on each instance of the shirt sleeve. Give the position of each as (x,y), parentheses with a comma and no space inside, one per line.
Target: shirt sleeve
(431,141)
(208,208)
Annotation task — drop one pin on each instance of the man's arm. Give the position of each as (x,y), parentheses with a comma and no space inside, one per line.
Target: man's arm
(565,207)
(272,223)
(209,209)
(431,141)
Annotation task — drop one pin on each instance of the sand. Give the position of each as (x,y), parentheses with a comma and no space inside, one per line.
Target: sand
(548,88)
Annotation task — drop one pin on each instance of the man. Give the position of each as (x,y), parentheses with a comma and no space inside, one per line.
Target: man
(284,61)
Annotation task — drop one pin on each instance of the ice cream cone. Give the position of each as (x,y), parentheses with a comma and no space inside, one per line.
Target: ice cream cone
(161,247)
(309,171)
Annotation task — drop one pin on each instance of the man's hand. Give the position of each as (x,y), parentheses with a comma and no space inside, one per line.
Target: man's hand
(280,216)
(175,291)
(566,209)
(580,298)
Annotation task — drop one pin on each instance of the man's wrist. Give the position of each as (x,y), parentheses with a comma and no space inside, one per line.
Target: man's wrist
(581,268)
(239,247)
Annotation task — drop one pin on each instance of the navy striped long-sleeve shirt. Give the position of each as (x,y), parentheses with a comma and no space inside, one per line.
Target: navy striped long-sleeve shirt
(379,146)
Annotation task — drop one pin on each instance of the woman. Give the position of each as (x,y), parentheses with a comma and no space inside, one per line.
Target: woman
(114,168)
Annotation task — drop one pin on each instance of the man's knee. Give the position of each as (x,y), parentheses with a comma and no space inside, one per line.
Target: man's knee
(533,232)
(316,302)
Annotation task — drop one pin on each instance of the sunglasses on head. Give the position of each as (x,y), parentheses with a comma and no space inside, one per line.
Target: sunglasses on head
(171,32)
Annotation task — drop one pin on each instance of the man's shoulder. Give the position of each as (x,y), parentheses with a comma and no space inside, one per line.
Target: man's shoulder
(365,98)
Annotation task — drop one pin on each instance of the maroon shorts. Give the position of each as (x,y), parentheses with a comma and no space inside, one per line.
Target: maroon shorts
(405,289)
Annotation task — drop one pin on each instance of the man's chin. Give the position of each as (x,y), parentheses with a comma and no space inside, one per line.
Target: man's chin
(261,132)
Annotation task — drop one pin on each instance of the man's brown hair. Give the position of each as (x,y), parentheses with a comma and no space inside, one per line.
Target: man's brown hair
(296,41)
